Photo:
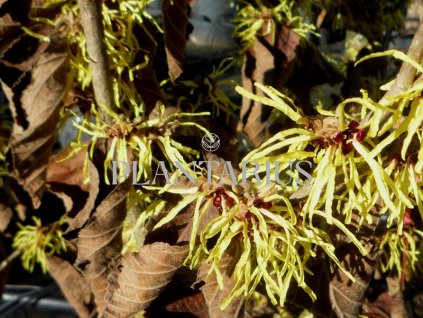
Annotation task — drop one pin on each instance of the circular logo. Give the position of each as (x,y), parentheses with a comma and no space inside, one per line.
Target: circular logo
(210,142)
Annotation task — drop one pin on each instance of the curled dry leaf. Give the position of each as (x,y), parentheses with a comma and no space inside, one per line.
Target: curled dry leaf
(34,87)
(175,20)
(78,220)
(270,61)
(13,13)
(281,59)
(33,76)
(65,179)
(68,171)
(9,28)
(139,278)
(259,67)
(73,285)
(99,242)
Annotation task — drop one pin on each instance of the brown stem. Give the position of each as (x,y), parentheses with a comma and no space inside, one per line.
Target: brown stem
(407,72)
(9,259)
(418,80)
(91,20)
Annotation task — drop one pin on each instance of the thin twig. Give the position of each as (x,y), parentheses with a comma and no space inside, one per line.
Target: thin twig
(9,259)
(91,20)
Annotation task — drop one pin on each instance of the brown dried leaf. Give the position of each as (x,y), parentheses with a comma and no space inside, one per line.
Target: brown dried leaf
(258,64)
(192,304)
(99,242)
(175,20)
(35,102)
(17,9)
(65,179)
(179,298)
(16,13)
(33,76)
(184,234)
(284,41)
(140,278)
(283,61)
(21,53)
(5,216)
(77,221)
(214,295)
(68,171)
(73,285)
(185,219)
(6,212)
(347,297)
(9,28)
(270,62)
(337,295)
(387,306)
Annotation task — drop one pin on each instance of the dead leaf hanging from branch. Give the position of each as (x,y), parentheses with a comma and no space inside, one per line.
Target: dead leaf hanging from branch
(99,242)
(35,96)
(175,25)
(141,277)
(73,284)
(65,179)
(270,64)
